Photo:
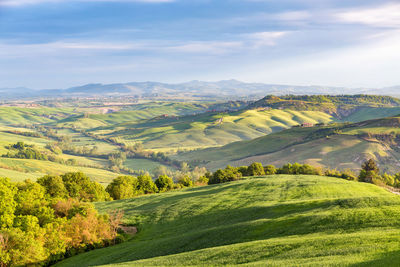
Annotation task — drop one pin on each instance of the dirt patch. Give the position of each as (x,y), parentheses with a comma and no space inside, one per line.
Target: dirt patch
(130,230)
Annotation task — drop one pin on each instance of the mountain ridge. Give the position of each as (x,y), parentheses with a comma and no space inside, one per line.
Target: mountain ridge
(195,88)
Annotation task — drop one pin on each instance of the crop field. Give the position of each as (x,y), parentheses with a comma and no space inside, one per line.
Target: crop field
(276,220)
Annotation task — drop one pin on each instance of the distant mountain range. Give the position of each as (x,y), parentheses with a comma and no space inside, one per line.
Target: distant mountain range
(226,88)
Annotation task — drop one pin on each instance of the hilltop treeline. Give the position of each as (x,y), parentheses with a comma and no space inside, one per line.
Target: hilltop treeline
(334,104)
(369,173)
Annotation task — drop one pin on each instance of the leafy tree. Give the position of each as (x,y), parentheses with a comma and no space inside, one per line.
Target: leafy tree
(255,169)
(80,186)
(146,184)
(123,187)
(222,176)
(369,171)
(53,185)
(164,183)
(270,170)
(7,203)
(185,181)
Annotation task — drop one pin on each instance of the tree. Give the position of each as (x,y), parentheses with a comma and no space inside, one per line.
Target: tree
(53,185)
(185,181)
(270,170)
(222,176)
(146,184)
(255,169)
(164,183)
(78,185)
(123,187)
(369,171)
(7,203)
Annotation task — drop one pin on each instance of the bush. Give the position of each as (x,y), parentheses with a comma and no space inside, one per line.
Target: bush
(255,169)
(123,187)
(164,183)
(185,181)
(146,184)
(270,170)
(228,174)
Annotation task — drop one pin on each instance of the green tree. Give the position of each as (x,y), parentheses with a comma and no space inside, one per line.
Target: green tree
(123,187)
(270,170)
(185,181)
(7,203)
(53,185)
(369,171)
(146,184)
(164,183)
(255,169)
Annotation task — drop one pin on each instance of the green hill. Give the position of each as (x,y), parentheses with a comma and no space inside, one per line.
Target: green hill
(268,221)
(340,106)
(335,146)
(208,129)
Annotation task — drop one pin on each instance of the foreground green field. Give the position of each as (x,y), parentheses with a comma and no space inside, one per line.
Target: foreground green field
(277,220)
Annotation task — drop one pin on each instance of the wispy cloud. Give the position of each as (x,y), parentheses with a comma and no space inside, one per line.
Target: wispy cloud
(35,2)
(381,16)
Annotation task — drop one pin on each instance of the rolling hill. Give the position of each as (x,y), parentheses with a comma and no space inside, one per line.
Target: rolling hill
(339,146)
(270,221)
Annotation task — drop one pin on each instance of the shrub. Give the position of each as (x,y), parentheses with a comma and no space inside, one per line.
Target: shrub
(228,174)
(164,183)
(185,181)
(146,184)
(255,169)
(270,170)
(123,187)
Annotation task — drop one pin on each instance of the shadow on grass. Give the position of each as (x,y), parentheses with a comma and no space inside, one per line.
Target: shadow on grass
(386,259)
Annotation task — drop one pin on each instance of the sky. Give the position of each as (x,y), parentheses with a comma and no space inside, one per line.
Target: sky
(49,44)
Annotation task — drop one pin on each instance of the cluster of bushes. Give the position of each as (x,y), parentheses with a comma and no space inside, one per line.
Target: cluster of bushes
(369,173)
(257,169)
(23,151)
(124,187)
(44,222)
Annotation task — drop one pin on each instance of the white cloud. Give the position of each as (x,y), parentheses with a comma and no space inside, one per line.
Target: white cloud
(383,16)
(34,2)
(260,39)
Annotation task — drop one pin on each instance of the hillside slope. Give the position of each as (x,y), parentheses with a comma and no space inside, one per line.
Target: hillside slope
(270,221)
(335,146)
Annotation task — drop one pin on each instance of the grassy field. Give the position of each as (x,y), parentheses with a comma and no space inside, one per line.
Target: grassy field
(20,169)
(143,164)
(266,221)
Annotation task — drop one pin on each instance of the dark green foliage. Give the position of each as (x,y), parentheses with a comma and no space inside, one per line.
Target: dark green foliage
(164,183)
(23,151)
(369,171)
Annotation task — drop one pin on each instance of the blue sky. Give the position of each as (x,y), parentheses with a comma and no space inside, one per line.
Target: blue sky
(63,43)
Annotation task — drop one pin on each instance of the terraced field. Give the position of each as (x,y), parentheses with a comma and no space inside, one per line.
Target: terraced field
(266,221)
